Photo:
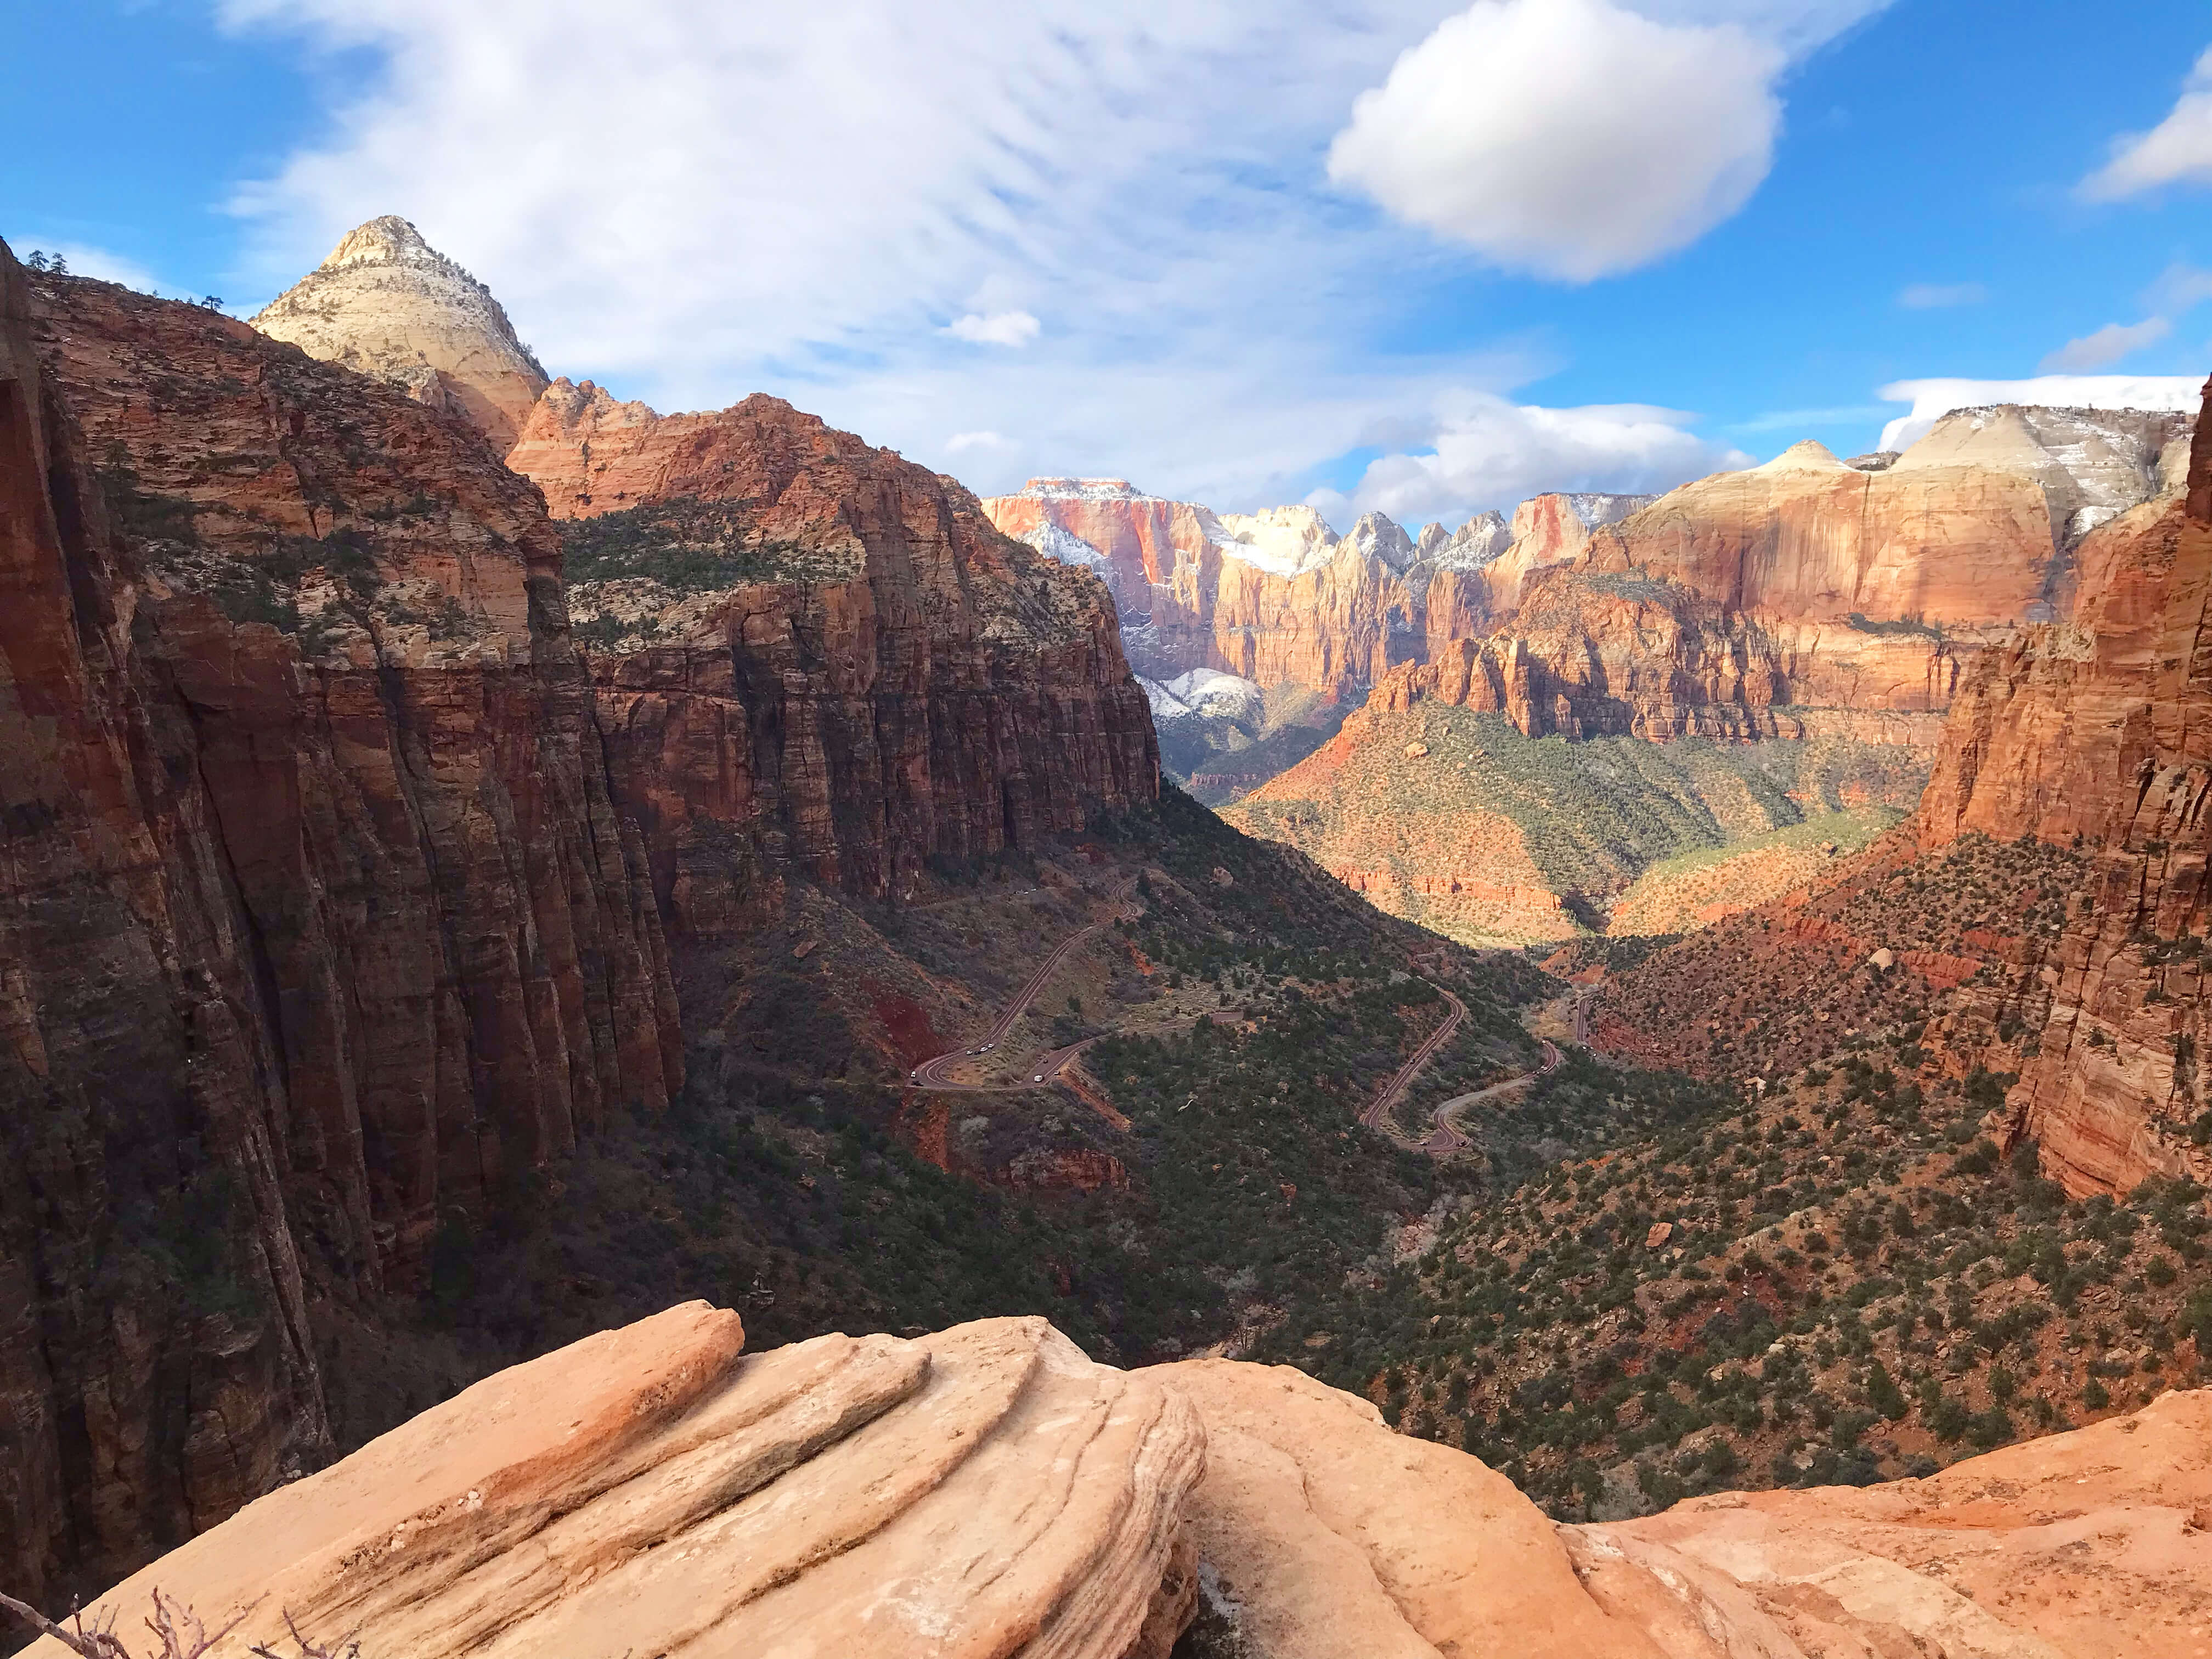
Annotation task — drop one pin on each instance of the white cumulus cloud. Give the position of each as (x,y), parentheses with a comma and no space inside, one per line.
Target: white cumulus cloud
(961,443)
(1003,328)
(2106,346)
(1487,451)
(1568,138)
(2178,151)
(1933,399)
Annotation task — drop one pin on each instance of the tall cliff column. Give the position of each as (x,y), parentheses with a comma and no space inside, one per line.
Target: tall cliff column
(156,1368)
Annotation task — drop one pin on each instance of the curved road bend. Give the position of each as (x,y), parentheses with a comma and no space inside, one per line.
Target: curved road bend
(1447,1137)
(930,1074)
(1378,1115)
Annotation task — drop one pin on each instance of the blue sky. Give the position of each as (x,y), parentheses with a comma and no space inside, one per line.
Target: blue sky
(1371,253)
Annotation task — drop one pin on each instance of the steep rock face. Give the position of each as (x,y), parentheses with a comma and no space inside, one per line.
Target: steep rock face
(989,1491)
(825,649)
(1272,596)
(354,938)
(1806,592)
(388,304)
(2101,730)
(155,1362)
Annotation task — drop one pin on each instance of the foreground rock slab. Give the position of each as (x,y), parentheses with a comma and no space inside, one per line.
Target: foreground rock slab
(985,1492)
(2092,1544)
(1322,1532)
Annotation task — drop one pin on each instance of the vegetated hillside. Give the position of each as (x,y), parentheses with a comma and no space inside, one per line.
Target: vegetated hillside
(1841,1283)
(1452,818)
(1220,758)
(1696,889)
(1203,1161)
(1967,931)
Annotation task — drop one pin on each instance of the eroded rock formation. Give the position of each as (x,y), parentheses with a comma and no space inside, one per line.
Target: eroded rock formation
(388,304)
(2098,733)
(989,1491)
(825,649)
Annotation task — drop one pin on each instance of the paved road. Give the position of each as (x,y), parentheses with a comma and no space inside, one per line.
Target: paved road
(930,1074)
(1378,1115)
(1447,1137)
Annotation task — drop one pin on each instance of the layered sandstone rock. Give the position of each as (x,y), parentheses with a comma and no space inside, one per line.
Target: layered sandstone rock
(2096,1544)
(1274,596)
(388,304)
(321,921)
(825,650)
(2098,732)
(988,1492)
(1321,1532)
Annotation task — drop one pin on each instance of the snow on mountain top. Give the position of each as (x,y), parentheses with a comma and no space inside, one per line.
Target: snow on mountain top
(1378,536)
(1055,543)
(1473,546)
(1083,489)
(1206,691)
(1283,541)
(1596,508)
(2100,394)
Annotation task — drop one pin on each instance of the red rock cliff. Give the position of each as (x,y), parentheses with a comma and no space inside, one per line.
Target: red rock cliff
(319,920)
(825,649)
(2101,729)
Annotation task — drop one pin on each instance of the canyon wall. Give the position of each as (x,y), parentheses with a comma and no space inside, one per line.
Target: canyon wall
(1277,598)
(826,650)
(2096,732)
(321,922)
(341,879)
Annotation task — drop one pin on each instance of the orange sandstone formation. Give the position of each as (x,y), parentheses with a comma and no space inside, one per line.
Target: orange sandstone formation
(990,1491)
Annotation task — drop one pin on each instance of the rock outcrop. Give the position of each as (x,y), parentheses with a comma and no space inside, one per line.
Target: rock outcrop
(2087,1544)
(824,650)
(2098,733)
(987,1491)
(388,304)
(319,917)
(990,1491)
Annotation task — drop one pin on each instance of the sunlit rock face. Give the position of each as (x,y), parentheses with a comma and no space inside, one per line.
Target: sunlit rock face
(826,649)
(386,303)
(989,1491)
(2099,727)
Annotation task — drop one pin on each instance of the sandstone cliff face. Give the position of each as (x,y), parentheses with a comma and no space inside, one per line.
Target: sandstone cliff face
(324,922)
(989,1491)
(1275,598)
(2098,732)
(824,650)
(388,304)
(155,1364)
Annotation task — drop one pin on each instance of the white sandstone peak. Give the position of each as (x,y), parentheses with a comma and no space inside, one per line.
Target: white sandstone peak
(388,304)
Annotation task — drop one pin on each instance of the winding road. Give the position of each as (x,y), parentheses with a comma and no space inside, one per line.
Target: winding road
(1445,1137)
(930,1074)
(1378,1115)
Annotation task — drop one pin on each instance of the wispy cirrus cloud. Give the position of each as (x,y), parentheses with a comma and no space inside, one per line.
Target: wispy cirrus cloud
(2177,151)
(803,197)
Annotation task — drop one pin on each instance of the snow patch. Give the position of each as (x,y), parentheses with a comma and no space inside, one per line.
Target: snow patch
(1202,691)
(1283,541)
(1083,489)
(1065,545)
